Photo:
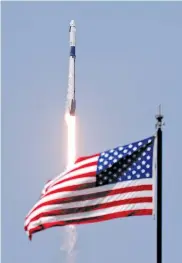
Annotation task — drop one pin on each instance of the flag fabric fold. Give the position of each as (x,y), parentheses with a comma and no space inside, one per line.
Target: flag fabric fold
(112,184)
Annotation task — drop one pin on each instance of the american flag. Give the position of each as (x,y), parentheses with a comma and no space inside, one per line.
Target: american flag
(112,184)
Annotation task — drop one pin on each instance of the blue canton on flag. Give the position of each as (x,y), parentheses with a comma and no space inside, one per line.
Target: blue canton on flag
(129,162)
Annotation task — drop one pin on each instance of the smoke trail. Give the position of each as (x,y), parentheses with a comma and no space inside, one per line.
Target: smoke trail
(70,241)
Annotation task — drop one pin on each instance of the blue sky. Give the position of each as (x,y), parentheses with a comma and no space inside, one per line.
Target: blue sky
(129,59)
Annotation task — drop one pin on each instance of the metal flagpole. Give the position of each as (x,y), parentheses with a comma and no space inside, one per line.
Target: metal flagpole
(159,125)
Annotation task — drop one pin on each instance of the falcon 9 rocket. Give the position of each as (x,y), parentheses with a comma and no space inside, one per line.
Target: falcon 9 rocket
(71,100)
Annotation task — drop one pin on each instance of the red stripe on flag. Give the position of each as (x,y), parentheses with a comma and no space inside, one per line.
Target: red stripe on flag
(84,158)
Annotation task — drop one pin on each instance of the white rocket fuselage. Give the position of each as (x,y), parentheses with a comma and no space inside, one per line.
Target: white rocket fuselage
(71,100)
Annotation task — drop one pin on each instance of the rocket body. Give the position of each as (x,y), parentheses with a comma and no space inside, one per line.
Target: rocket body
(71,100)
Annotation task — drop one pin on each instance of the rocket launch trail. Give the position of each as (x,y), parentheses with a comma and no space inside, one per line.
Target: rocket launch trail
(71,100)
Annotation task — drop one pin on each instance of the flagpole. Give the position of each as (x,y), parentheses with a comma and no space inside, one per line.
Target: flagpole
(159,125)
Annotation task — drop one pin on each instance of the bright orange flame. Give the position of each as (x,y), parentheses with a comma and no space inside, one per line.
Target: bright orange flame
(71,124)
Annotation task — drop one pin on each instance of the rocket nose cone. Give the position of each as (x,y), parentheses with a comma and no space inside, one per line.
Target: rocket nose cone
(72,23)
